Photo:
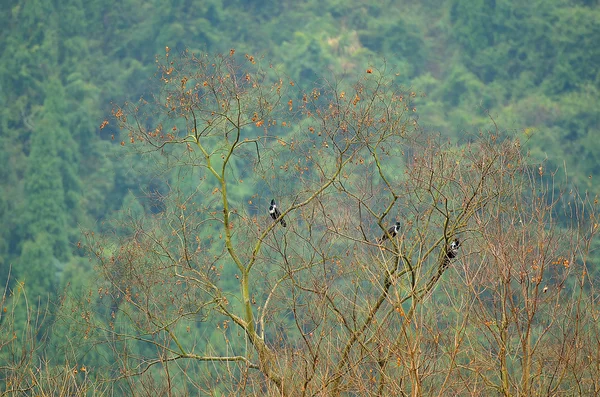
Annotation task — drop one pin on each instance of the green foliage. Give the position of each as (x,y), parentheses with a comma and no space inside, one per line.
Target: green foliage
(532,66)
(6,210)
(129,216)
(45,209)
(38,267)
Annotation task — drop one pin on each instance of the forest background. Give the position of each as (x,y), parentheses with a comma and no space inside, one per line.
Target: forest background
(534,67)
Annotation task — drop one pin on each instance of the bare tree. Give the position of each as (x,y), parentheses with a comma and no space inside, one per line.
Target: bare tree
(408,264)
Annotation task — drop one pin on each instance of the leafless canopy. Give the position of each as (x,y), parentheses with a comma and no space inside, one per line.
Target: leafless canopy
(231,301)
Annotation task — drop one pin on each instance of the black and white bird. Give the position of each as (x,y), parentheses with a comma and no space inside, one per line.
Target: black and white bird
(455,244)
(452,250)
(274,211)
(392,231)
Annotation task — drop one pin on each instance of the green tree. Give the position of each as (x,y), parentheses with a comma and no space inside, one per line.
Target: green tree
(45,209)
(7,178)
(38,267)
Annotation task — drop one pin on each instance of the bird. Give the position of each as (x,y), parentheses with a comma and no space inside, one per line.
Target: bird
(274,212)
(455,244)
(452,251)
(392,231)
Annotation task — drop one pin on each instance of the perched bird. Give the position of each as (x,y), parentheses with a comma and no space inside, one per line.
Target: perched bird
(452,251)
(392,231)
(274,211)
(455,244)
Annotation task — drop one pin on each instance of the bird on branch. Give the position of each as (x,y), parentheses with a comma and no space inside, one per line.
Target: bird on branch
(275,214)
(392,232)
(452,250)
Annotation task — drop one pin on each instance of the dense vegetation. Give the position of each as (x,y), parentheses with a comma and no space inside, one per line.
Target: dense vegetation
(533,68)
